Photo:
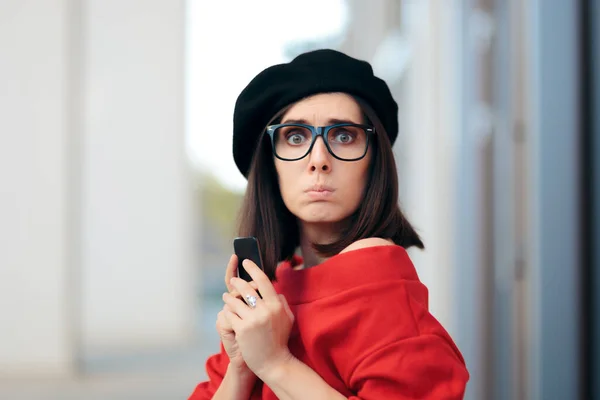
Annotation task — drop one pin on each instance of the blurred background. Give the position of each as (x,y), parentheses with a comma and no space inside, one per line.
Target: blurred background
(118,190)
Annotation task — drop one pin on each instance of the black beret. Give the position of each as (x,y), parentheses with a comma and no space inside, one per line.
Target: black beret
(319,71)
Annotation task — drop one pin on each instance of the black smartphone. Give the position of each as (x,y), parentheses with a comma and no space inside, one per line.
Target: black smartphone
(246,248)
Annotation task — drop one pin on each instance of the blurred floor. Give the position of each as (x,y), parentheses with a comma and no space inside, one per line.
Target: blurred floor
(160,374)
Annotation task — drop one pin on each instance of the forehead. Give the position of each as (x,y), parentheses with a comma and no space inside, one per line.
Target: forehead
(325,106)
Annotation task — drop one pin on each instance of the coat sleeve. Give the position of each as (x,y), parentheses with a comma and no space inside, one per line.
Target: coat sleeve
(424,367)
(216,366)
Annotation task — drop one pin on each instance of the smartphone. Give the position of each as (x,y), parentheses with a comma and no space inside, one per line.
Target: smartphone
(246,248)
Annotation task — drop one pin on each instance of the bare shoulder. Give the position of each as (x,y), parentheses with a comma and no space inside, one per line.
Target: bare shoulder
(368,242)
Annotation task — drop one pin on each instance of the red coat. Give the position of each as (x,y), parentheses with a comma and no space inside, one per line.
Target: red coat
(362,323)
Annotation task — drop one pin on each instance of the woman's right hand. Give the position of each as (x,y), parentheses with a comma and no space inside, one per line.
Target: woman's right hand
(224,328)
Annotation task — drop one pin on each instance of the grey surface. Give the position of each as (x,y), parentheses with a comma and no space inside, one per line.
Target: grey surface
(596,196)
(468,273)
(554,212)
(169,373)
(502,233)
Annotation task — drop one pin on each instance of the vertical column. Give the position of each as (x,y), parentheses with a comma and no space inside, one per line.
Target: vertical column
(138,280)
(96,239)
(595,194)
(589,22)
(371,22)
(501,295)
(554,218)
(473,193)
(424,153)
(36,323)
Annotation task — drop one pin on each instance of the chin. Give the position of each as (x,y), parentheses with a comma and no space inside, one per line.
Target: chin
(320,220)
(322,213)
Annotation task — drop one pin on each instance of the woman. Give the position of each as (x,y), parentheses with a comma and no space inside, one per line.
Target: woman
(349,317)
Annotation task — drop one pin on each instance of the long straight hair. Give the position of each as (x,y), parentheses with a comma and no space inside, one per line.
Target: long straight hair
(264,215)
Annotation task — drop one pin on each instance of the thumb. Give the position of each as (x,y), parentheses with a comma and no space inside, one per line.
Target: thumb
(230,271)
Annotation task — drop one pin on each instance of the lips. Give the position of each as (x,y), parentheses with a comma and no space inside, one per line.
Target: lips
(319,192)
(319,189)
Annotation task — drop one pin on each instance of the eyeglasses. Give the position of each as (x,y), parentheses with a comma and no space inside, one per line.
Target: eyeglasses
(345,141)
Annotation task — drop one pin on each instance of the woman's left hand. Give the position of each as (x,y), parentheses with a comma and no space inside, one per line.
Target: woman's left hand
(261,332)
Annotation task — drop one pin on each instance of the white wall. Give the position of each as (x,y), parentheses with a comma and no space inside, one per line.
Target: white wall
(96,242)
(429,148)
(137,281)
(35,324)
(370,22)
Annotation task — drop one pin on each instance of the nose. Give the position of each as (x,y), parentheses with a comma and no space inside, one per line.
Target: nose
(320,159)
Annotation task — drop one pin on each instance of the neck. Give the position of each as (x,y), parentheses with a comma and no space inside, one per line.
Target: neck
(315,233)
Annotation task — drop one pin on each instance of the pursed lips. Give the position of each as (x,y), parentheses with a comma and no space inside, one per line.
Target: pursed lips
(319,191)
(319,188)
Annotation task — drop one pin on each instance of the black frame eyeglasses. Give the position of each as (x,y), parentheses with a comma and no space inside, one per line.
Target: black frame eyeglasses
(316,132)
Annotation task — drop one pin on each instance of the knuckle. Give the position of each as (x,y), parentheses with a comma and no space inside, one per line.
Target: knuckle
(277,308)
(264,280)
(259,324)
(263,318)
(221,319)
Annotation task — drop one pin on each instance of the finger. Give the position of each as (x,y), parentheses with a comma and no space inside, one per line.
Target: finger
(235,293)
(223,323)
(265,287)
(230,271)
(242,287)
(286,306)
(233,319)
(226,309)
(236,305)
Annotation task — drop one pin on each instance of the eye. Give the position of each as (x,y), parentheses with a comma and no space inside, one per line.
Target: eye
(295,137)
(343,136)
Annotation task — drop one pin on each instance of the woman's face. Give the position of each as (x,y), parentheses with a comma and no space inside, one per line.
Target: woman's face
(320,188)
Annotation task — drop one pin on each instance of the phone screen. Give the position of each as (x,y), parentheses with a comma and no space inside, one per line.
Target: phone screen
(247,248)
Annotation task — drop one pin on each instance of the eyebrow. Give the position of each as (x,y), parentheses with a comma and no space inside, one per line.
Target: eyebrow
(330,121)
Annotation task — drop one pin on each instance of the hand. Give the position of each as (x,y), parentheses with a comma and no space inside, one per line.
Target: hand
(262,332)
(224,328)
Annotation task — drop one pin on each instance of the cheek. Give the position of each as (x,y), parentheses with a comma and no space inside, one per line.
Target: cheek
(353,186)
(286,190)
(287,181)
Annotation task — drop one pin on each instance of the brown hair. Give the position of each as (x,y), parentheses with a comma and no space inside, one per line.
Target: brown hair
(264,215)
